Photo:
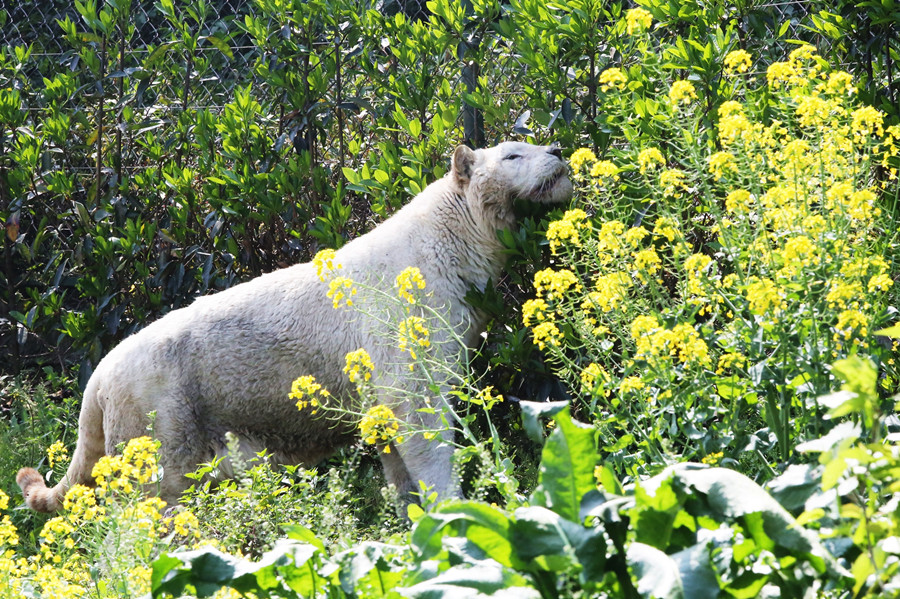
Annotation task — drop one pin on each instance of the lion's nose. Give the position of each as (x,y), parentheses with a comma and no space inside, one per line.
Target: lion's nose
(556,151)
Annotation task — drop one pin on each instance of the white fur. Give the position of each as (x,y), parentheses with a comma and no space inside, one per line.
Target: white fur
(226,362)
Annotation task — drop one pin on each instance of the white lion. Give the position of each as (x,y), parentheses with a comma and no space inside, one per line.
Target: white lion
(227,361)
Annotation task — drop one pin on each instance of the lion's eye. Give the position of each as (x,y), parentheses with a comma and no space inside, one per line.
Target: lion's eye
(512,157)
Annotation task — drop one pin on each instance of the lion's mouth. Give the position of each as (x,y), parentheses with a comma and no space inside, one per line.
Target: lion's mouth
(544,188)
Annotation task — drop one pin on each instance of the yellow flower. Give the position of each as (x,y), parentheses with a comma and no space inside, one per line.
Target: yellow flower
(799,254)
(737,61)
(594,378)
(605,169)
(840,83)
(780,73)
(730,360)
(546,333)
(57,453)
(185,524)
(81,503)
(567,229)
(650,159)
(407,281)
(672,182)
(612,79)
(682,92)
(842,294)
(581,157)
(553,284)
(803,53)
(867,121)
(358,366)
(610,290)
(764,296)
(308,392)
(713,458)
(534,310)
(738,201)
(635,235)
(610,240)
(733,127)
(850,321)
(485,398)
(341,288)
(9,537)
(880,282)
(324,261)
(730,108)
(4,500)
(413,333)
(630,384)
(379,425)
(666,227)
(720,162)
(638,20)
(813,111)
(647,262)
(696,264)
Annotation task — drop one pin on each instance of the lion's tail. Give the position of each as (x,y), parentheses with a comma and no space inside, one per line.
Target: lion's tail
(89,449)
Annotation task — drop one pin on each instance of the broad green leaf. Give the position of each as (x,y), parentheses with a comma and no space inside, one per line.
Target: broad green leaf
(533,411)
(485,526)
(567,466)
(472,582)
(654,573)
(892,332)
(549,542)
(223,47)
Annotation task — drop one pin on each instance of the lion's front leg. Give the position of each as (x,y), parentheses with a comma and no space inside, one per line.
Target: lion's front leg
(420,459)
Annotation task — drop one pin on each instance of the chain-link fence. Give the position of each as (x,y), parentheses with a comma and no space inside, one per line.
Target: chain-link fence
(36,24)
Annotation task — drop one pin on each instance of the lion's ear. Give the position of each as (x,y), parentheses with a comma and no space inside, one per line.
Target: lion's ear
(463,161)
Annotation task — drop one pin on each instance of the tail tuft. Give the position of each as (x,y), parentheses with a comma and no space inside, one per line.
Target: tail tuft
(37,496)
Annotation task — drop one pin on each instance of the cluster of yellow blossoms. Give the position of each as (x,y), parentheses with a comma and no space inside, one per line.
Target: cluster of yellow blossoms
(123,528)
(413,334)
(308,393)
(379,426)
(792,215)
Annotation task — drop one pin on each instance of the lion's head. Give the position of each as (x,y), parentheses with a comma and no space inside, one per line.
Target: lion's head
(495,177)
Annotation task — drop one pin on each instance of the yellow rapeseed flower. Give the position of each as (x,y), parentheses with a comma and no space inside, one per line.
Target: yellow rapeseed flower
(412,334)
(721,162)
(567,229)
(308,393)
(57,453)
(666,227)
(672,182)
(594,378)
(534,311)
(553,284)
(358,366)
(638,20)
(647,262)
(764,296)
(408,281)
(324,263)
(737,61)
(609,292)
(485,397)
(580,158)
(650,159)
(682,93)
(341,289)
(605,169)
(612,78)
(380,426)
(546,333)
